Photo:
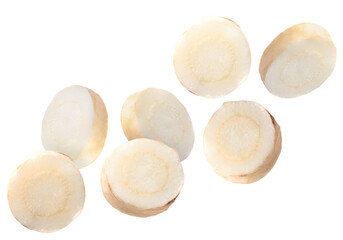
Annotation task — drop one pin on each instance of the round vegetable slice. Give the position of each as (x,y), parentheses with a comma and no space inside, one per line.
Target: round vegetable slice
(142,177)
(212,58)
(75,123)
(298,60)
(157,114)
(242,141)
(46,192)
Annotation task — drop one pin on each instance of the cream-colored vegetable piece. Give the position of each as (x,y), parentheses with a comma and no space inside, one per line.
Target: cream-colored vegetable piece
(212,57)
(142,177)
(157,114)
(242,141)
(46,192)
(75,123)
(298,60)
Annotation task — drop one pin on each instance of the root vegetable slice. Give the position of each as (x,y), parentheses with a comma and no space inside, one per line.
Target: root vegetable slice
(242,141)
(298,61)
(212,58)
(159,115)
(142,177)
(46,192)
(75,124)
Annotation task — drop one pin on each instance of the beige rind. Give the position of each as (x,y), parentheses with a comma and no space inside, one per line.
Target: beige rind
(99,132)
(129,118)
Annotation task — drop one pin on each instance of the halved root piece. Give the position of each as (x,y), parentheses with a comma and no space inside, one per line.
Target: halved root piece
(242,141)
(157,114)
(75,124)
(142,177)
(298,60)
(212,58)
(46,193)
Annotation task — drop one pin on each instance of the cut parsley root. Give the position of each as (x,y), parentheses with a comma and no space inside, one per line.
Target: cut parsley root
(142,177)
(212,58)
(75,124)
(298,61)
(242,141)
(46,192)
(157,114)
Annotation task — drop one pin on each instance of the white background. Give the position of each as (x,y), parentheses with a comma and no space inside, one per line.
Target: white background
(119,47)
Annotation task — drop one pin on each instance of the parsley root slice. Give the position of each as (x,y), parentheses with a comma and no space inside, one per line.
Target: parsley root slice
(298,60)
(142,177)
(46,192)
(242,141)
(157,114)
(75,123)
(212,58)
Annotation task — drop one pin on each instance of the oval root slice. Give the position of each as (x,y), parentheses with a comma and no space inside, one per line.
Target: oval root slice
(46,192)
(298,60)
(242,141)
(142,177)
(75,123)
(157,114)
(212,58)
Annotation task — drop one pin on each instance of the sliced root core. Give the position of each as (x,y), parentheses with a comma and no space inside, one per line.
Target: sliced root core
(242,141)
(46,193)
(159,115)
(212,58)
(75,124)
(142,177)
(298,61)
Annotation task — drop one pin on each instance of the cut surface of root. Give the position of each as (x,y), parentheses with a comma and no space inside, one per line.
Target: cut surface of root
(212,58)
(75,123)
(298,61)
(142,177)
(46,193)
(157,114)
(242,141)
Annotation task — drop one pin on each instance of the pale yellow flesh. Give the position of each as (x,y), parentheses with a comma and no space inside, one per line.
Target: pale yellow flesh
(242,141)
(157,114)
(212,58)
(142,177)
(75,124)
(298,61)
(46,192)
